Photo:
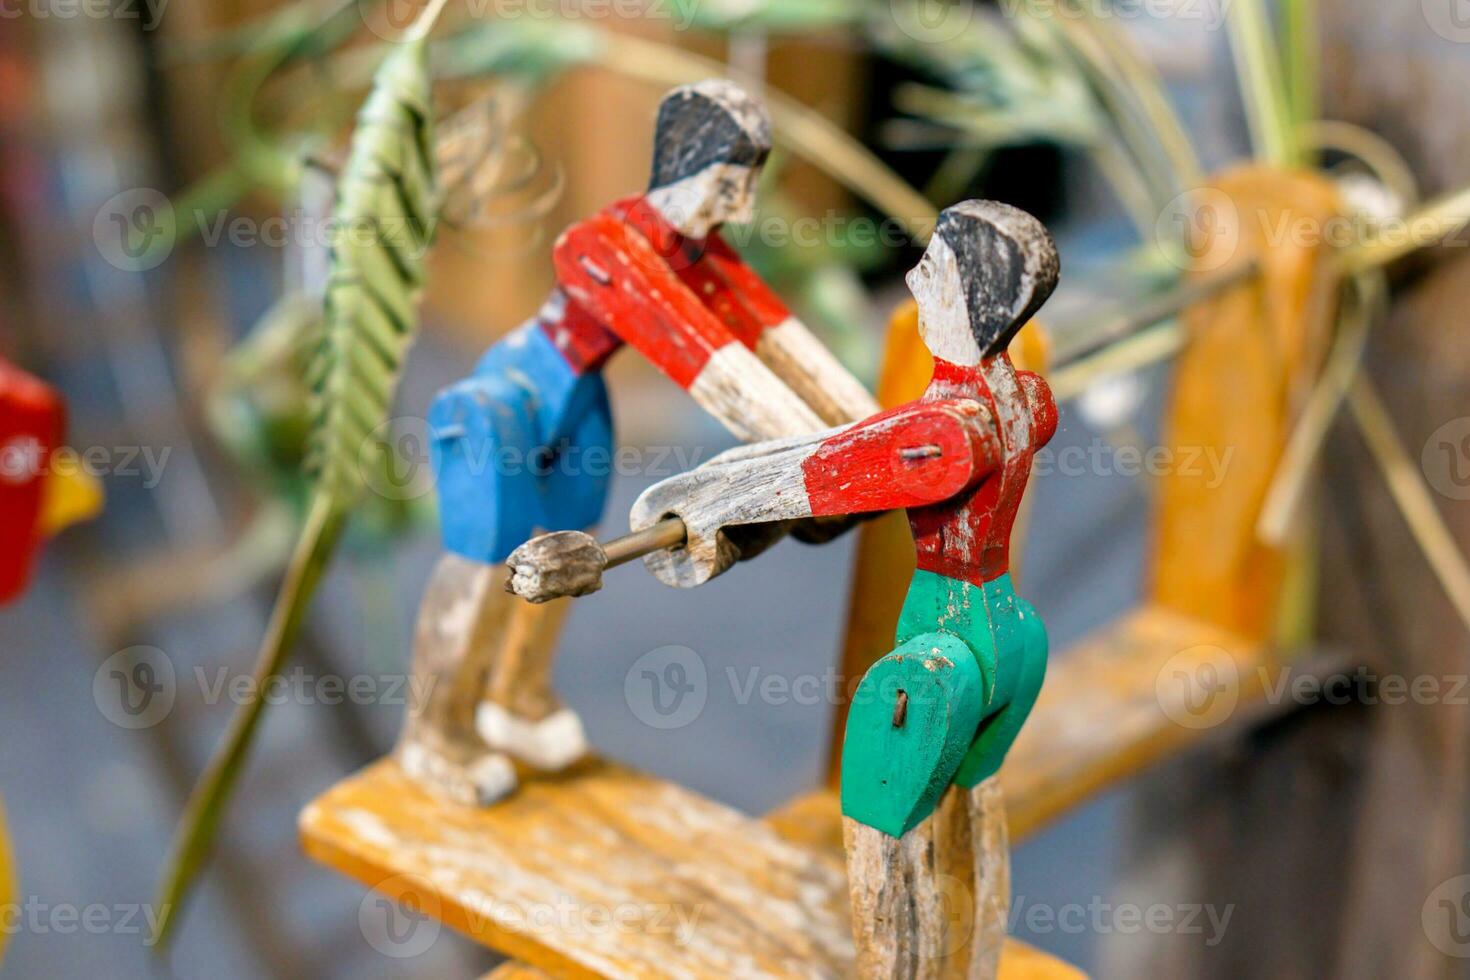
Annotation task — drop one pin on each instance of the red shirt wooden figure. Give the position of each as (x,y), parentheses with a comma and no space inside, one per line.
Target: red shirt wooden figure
(32,421)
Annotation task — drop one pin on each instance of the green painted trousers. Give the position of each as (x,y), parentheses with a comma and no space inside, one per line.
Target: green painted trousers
(945,705)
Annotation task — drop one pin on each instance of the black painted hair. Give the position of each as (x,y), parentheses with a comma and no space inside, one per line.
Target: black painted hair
(1007,263)
(704,124)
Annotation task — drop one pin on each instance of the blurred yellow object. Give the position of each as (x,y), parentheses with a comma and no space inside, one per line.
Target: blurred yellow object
(7,881)
(69,498)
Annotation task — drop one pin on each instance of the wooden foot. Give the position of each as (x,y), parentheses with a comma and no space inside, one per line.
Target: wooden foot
(520,713)
(462,613)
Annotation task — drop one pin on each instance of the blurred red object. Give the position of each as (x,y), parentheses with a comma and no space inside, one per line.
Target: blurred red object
(32,422)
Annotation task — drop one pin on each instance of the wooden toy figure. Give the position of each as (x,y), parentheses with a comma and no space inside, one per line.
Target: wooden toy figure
(31,426)
(932,721)
(38,497)
(516,446)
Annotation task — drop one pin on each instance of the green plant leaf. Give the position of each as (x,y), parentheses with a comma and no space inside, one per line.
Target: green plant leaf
(383,226)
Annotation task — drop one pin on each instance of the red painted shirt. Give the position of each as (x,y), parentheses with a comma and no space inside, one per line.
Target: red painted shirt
(968,537)
(733,304)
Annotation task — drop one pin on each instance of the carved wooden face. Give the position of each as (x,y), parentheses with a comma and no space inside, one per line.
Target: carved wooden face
(710,143)
(716,195)
(987,270)
(944,322)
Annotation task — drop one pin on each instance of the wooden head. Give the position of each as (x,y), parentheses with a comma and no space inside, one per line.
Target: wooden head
(709,145)
(987,270)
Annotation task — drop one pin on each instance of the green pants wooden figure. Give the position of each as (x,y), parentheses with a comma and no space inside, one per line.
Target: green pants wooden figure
(932,721)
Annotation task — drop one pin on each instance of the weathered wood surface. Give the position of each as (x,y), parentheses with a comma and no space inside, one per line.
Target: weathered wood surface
(1251,356)
(1018,961)
(701,889)
(815,822)
(461,617)
(606,837)
(516,971)
(601,831)
(932,903)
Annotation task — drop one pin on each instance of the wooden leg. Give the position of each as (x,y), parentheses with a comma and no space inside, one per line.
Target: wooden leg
(932,903)
(520,712)
(463,610)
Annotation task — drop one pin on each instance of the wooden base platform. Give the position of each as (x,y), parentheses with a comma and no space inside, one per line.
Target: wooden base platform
(608,872)
(603,872)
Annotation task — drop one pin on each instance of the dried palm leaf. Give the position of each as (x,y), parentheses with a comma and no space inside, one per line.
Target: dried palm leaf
(382,225)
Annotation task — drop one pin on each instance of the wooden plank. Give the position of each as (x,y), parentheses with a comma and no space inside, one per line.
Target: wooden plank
(1410,791)
(1262,826)
(603,836)
(1239,384)
(771,899)
(515,971)
(1018,961)
(1114,705)
(813,821)
(600,872)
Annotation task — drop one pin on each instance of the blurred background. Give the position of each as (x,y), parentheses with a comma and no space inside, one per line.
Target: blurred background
(186,123)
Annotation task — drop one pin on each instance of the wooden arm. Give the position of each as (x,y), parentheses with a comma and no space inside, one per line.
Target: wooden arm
(618,278)
(914,456)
